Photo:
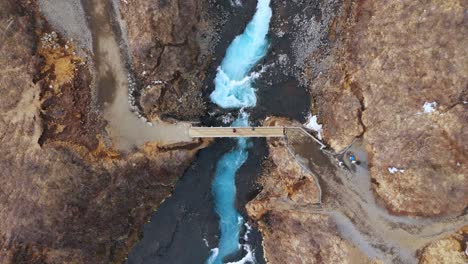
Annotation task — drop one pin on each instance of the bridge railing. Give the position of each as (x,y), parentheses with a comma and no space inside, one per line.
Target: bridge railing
(295,137)
(273,131)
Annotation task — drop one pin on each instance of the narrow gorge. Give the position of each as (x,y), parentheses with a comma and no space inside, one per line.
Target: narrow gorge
(98,164)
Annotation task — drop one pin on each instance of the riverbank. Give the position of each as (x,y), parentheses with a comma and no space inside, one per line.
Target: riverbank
(68,194)
(78,183)
(200,230)
(325,38)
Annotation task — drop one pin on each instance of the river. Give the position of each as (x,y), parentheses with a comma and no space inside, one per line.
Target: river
(233,89)
(206,215)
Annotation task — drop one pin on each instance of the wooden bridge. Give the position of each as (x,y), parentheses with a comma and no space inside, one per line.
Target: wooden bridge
(231,132)
(216,132)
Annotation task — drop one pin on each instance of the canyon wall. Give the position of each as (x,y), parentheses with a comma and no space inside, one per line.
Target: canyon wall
(387,64)
(394,75)
(67,196)
(170,45)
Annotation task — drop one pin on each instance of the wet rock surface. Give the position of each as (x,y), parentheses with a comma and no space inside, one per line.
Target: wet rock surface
(187,219)
(185,228)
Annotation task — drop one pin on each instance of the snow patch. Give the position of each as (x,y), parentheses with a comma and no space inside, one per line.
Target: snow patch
(429,107)
(394,170)
(312,124)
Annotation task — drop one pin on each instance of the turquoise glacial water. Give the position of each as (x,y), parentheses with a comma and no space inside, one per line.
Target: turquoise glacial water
(233,85)
(233,89)
(224,192)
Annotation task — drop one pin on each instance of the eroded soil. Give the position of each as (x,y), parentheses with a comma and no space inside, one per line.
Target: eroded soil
(67,195)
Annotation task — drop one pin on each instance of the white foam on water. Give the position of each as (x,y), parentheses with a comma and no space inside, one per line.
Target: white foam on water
(213,255)
(206,242)
(249,258)
(227,118)
(236,3)
(233,89)
(247,232)
(233,83)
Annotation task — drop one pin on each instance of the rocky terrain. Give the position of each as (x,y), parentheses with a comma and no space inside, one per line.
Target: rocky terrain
(394,75)
(291,233)
(389,73)
(452,249)
(309,203)
(67,195)
(386,61)
(170,45)
(284,181)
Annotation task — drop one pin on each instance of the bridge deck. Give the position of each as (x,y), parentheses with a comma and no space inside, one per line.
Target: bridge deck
(213,132)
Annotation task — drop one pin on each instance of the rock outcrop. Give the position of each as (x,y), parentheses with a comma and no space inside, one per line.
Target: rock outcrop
(295,237)
(287,214)
(395,75)
(392,74)
(170,45)
(285,183)
(66,195)
(453,249)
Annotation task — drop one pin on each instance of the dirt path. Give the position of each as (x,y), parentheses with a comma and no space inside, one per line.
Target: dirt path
(348,199)
(126,127)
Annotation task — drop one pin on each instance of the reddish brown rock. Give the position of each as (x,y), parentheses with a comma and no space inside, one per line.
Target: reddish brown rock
(286,212)
(284,182)
(387,60)
(170,42)
(452,249)
(66,196)
(294,237)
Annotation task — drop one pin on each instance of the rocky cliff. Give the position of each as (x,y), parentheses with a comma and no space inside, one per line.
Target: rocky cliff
(66,195)
(287,212)
(170,45)
(395,75)
(452,249)
(391,73)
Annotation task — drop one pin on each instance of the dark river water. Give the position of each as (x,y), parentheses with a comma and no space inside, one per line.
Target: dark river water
(185,227)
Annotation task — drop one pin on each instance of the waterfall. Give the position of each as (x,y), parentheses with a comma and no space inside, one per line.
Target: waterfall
(233,89)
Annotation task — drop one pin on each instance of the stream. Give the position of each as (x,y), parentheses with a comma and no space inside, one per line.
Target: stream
(233,89)
(204,221)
